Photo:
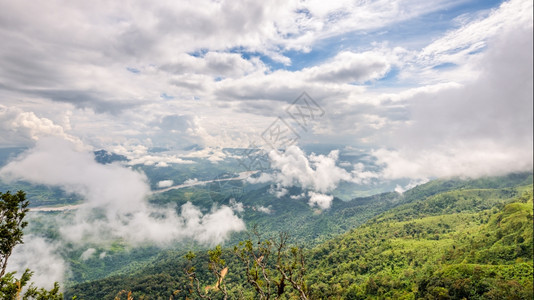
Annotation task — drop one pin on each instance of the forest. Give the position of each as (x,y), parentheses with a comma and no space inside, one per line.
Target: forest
(447,239)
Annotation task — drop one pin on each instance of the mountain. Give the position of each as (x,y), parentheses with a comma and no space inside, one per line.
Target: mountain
(104,157)
(447,239)
(467,243)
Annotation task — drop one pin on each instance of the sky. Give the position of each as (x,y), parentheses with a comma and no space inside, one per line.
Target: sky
(430,88)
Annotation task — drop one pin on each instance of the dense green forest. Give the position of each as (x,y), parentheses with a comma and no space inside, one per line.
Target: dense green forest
(447,239)
(306,225)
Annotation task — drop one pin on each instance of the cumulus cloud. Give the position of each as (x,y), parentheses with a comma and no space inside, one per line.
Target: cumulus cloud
(24,128)
(481,128)
(321,200)
(115,200)
(318,174)
(165,183)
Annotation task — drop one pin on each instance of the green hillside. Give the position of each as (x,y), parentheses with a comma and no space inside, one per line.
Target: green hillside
(458,244)
(447,239)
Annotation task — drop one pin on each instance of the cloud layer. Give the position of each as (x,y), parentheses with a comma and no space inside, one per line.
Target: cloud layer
(481,128)
(173,74)
(115,203)
(316,174)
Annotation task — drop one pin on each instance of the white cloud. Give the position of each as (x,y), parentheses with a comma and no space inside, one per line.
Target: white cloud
(481,128)
(278,190)
(413,183)
(296,197)
(215,64)
(119,196)
(236,206)
(316,172)
(263,178)
(263,209)
(24,128)
(471,160)
(87,254)
(40,256)
(321,200)
(165,183)
(191,181)
(362,176)
(349,67)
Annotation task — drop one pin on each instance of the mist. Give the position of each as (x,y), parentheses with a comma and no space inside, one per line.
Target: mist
(115,206)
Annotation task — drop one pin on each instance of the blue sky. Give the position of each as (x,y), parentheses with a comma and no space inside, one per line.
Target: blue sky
(411,34)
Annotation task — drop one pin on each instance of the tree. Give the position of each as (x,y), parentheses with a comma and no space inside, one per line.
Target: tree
(261,269)
(271,266)
(217,266)
(13,209)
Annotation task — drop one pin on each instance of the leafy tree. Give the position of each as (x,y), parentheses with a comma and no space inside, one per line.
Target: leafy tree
(271,266)
(261,269)
(217,266)
(446,239)
(13,208)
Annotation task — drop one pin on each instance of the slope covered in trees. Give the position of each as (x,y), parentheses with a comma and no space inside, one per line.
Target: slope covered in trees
(473,243)
(445,239)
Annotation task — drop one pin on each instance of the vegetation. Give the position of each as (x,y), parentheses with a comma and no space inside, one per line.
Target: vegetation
(13,208)
(445,239)
(437,248)
(448,239)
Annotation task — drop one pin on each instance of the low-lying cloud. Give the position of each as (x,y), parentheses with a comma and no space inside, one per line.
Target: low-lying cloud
(165,183)
(115,200)
(319,174)
(42,257)
(315,172)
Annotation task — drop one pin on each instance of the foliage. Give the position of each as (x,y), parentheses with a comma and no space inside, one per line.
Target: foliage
(13,208)
(270,266)
(217,266)
(454,251)
(445,239)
